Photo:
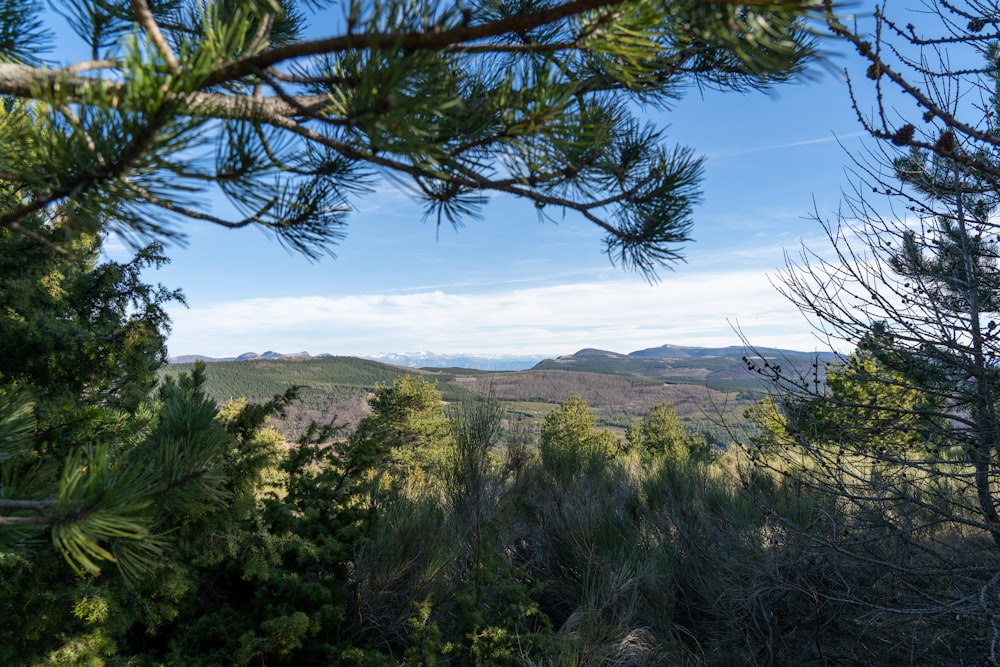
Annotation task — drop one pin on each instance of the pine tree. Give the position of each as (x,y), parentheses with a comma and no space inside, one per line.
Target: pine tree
(899,446)
(239,98)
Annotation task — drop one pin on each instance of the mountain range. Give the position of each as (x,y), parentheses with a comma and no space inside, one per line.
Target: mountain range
(482,362)
(511,362)
(709,387)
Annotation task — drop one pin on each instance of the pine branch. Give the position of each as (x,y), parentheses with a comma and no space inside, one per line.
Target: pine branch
(40,507)
(29,82)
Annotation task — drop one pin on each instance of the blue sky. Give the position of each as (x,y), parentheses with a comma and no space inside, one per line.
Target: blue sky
(512,284)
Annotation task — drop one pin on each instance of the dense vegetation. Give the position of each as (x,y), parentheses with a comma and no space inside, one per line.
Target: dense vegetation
(329,388)
(141,523)
(458,536)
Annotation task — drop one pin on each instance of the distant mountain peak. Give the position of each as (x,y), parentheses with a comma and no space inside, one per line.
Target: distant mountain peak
(594,352)
(483,362)
(515,362)
(684,352)
(279,355)
(246,356)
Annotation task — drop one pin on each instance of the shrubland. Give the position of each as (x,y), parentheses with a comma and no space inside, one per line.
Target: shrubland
(436,534)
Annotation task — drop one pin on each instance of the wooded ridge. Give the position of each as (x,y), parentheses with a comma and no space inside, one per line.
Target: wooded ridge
(705,384)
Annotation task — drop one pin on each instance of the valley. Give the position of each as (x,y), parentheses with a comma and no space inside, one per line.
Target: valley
(710,387)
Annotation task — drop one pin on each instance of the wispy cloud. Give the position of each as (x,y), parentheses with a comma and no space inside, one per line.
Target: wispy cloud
(737,152)
(622,315)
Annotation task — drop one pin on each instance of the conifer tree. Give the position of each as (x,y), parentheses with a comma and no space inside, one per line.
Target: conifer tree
(82,434)
(899,446)
(291,110)
(570,443)
(661,432)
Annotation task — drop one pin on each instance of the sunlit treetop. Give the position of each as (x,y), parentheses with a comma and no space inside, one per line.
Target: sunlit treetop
(292,110)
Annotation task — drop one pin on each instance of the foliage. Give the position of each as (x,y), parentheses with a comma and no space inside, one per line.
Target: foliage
(570,443)
(901,438)
(86,453)
(866,401)
(475,476)
(661,432)
(102,479)
(458,101)
(860,529)
(486,557)
(408,421)
(76,329)
(177,478)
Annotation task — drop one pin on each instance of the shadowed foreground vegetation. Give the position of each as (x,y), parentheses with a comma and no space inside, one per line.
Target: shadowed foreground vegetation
(462,535)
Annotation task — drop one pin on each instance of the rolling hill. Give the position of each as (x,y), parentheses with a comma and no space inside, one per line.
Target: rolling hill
(724,369)
(709,386)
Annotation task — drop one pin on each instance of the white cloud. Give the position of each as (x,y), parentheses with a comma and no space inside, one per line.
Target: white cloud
(620,315)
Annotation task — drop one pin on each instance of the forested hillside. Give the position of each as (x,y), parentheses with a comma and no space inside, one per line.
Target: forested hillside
(619,391)
(329,387)
(725,369)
